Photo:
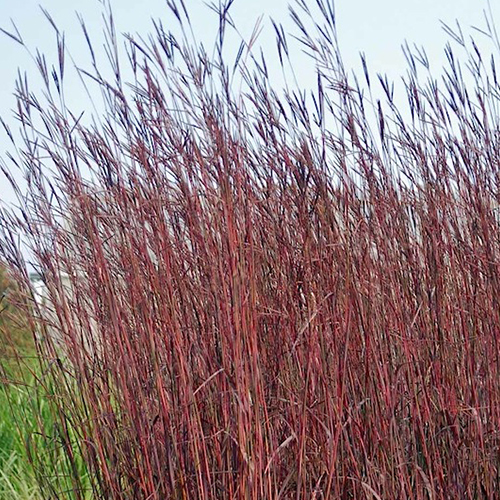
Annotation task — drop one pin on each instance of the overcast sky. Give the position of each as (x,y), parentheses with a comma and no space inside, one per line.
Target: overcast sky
(377,28)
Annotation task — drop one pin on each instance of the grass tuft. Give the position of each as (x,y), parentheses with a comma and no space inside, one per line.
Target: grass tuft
(262,294)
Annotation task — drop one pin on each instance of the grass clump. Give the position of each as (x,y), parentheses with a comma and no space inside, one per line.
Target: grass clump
(258,294)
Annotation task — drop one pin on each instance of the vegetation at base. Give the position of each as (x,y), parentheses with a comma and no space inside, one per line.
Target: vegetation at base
(28,425)
(28,428)
(17,480)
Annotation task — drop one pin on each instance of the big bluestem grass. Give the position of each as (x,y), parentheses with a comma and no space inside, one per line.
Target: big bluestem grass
(256,294)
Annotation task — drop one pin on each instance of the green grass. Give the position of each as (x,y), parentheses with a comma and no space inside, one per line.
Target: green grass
(17,477)
(33,462)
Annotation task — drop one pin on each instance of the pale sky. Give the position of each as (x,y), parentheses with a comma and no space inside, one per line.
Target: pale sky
(376,27)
